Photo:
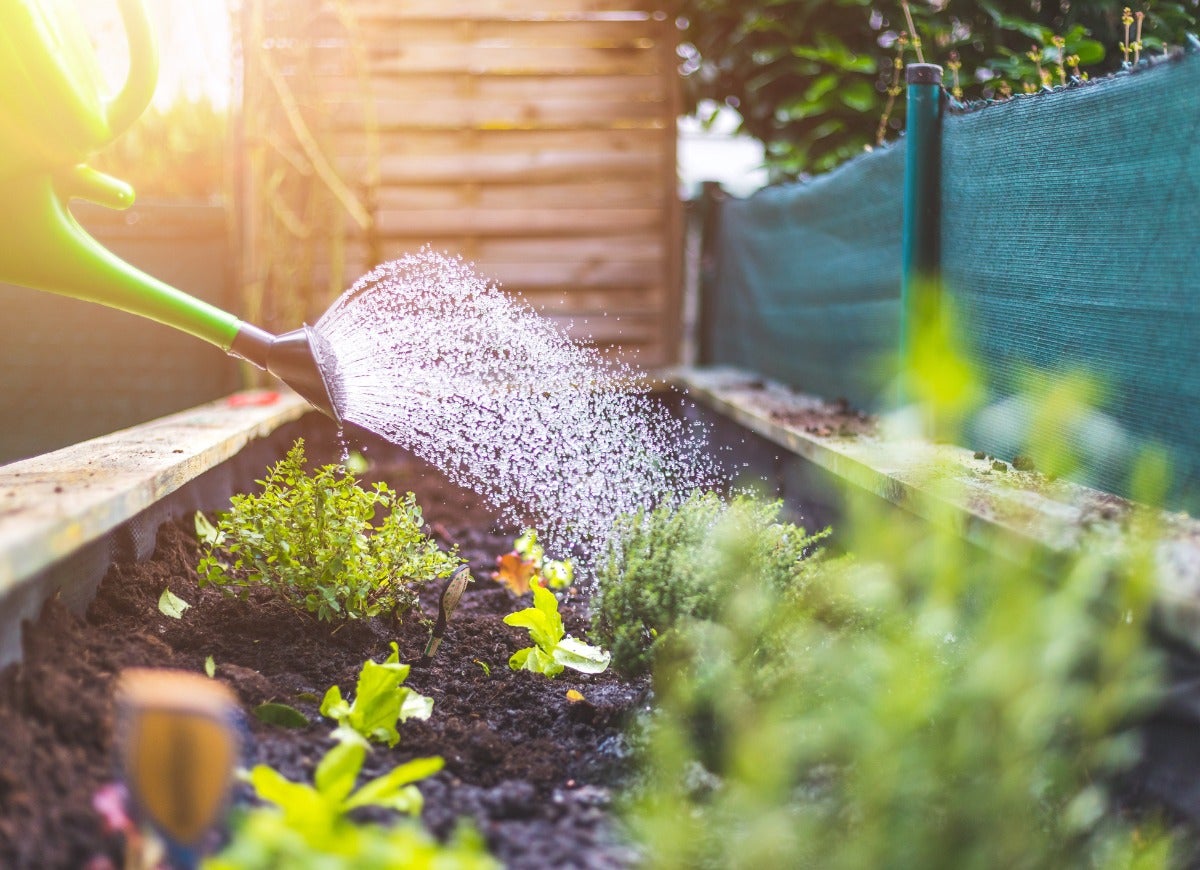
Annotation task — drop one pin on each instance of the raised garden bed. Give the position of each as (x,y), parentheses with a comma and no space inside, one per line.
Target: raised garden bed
(532,769)
(538,771)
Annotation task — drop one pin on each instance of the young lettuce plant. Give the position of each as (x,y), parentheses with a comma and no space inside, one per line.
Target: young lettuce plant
(313,540)
(309,828)
(380,701)
(552,651)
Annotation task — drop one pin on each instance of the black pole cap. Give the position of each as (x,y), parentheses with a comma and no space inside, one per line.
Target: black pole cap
(923,74)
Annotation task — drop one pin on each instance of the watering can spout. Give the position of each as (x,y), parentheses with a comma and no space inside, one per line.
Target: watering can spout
(300,358)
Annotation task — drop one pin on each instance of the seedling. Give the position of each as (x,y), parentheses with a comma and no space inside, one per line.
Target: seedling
(312,539)
(552,651)
(527,564)
(317,811)
(379,703)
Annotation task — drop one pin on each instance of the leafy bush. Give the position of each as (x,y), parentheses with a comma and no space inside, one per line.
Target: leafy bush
(817,80)
(970,724)
(311,539)
(665,566)
(380,702)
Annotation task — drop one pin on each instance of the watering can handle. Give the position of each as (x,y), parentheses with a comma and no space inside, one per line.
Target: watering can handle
(127,106)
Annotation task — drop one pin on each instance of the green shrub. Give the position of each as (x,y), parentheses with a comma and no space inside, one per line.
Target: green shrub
(666,566)
(311,539)
(970,722)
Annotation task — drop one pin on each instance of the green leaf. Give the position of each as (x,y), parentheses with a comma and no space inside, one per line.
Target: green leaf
(332,704)
(582,657)
(280,714)
(170,604)
(393,789)
(1089,50)
(858,95)
(206,531)
(337,772)
(535,659)
(210,666)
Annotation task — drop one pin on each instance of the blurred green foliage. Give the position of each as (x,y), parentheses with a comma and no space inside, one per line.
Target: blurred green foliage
(922,702)
(180,152)
(817,81)
(969,719)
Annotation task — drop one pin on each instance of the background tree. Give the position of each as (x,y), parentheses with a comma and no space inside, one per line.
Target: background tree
(820,80)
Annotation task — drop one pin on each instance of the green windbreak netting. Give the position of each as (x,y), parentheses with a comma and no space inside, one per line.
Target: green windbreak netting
(1069,237)
(804,285)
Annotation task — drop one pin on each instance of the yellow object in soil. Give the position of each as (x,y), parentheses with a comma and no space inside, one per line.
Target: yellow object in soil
(178,749)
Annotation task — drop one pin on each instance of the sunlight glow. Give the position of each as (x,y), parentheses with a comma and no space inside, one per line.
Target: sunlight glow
(195,47)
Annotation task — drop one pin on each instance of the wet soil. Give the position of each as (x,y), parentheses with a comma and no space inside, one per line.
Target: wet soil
(533,770)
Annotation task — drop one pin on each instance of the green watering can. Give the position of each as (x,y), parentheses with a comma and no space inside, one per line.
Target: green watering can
(52,118)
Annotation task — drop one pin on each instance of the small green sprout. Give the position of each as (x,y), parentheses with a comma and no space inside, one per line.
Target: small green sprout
(379,703)
(552,651)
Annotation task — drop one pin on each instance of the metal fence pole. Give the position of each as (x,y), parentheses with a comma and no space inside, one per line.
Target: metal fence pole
(920,255)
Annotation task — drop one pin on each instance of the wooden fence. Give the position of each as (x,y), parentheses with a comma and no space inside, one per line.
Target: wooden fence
(533,137)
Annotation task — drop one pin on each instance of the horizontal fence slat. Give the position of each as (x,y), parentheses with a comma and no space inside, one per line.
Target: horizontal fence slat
(566,277)
(382,10)
(395,147)
(502,88)
(506,60)
(635,193)
(484,114)
(386,33)
(457,222)
(501,249)
(587,301)
(527,167)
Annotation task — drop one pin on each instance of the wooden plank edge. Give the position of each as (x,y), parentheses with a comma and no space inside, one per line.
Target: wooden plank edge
(1001,512)
(54,505)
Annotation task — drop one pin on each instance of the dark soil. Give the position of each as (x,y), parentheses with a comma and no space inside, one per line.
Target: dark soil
(533,770)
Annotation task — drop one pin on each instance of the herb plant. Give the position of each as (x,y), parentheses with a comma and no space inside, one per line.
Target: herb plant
(379,703)
(667,565)
(552,650)
(311,538)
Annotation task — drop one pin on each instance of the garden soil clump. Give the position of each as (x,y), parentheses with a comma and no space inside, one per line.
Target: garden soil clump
(532,769)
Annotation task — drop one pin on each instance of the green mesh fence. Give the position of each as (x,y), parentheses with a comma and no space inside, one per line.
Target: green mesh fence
(1069,231)
(1068,244)
(804,281)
